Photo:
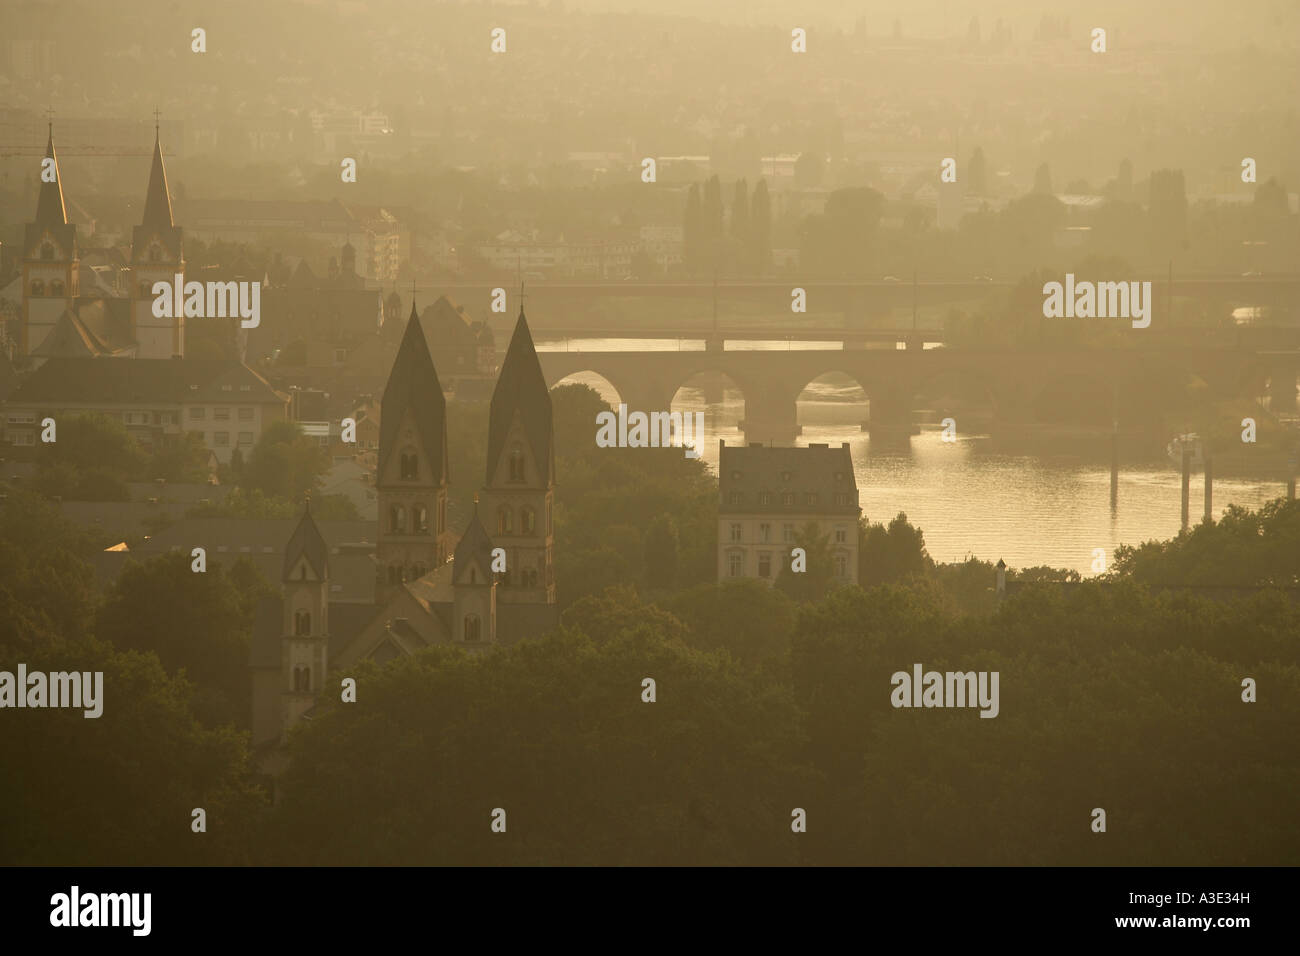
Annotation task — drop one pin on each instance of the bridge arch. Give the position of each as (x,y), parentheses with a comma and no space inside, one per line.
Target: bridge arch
(609,392)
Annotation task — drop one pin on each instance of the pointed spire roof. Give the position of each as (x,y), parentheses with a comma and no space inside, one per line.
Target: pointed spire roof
(307,542)
(474,546)
(413,386)
(521,389)
(157,201)
(51,210)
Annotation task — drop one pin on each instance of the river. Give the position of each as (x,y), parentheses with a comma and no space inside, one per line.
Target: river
(969,496)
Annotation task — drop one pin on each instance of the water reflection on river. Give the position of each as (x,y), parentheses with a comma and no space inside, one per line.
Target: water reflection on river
(968,497)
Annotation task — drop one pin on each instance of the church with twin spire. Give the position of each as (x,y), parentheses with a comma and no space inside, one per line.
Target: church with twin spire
(492,586)
(57,319)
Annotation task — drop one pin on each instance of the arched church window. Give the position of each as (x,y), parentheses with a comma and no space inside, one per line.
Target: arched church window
(410,465)
(516,462)
(505,522)
(420,514)
(527,520)
(302,622)
(471,627)
(38,287)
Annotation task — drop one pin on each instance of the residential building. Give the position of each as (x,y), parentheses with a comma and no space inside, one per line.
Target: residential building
(766,497)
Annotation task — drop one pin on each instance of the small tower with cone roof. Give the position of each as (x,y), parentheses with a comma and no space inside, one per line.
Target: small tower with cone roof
(475,603)
(304,645)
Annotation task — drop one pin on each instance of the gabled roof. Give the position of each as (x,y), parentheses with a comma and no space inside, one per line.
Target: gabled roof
(475,546)
(308,543)
(86,382)
(413,386)
(522,387)
(70,339)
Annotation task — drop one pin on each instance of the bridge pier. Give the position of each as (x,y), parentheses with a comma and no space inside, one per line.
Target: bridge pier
(771,417)
(891,416)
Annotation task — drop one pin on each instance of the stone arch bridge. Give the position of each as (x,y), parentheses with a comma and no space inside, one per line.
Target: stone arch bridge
(1013,381)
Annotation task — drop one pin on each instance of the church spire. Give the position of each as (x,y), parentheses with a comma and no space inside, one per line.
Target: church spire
(521,391)
(307,544)
(413,387)
(50,207)
(157,202)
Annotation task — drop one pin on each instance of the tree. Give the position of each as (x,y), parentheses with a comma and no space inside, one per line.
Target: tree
(1167,210)
(812,583)
(95,441)
(1043,180)
(711,217)
(977,174)
(745,617)
(556,733)
(693,239)
(740,212)
(184,458)
(285,463)
(759,256)
(810,169)
(118,790)
(661,552)
(197,623)
(890,554)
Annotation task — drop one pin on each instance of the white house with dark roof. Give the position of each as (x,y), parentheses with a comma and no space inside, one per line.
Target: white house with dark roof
(768,494)
(222,400)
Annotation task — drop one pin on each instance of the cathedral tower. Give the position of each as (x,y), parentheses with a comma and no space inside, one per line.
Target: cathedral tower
(50,262)
(156,256)
(520,485)
(411,475)
(304,644)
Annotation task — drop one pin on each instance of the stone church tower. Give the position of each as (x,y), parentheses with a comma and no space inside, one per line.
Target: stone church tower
(411,476)
(50,260)
(520,487)
(156,256)
(304,644)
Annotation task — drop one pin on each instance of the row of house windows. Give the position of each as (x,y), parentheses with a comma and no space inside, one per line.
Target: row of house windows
(787,533)
(736,564)
(220,413)
(811,498)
